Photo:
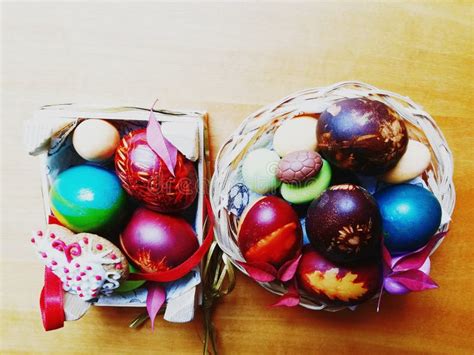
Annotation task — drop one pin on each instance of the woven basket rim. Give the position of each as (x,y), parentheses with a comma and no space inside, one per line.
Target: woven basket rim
(422,125)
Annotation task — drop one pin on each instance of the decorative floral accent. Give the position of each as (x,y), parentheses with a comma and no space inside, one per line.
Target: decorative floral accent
(264,272)
(406,269)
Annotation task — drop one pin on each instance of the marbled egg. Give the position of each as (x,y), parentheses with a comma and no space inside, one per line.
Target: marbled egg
(295,134)
(259,170)
(410,215)
(361,135)
(416,159)
(344,224)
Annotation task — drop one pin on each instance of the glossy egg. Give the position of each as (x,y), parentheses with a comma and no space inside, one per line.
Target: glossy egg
(411,215)
(87,198)
(145,176)
(361,135)
(344,224)
(309,190)
(337,285)
(269,231)
(157,242)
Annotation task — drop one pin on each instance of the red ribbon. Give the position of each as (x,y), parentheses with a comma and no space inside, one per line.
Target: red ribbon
(52,301)
(184,268)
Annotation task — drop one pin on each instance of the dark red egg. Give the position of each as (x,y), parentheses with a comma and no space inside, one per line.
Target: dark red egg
(334,284)
(344,224)
(157,242)
(361,135)
(144,175)
(270,232)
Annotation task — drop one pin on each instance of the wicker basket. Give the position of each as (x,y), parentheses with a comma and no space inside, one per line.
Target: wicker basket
(260,126)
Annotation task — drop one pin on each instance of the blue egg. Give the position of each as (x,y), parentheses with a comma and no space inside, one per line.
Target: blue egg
(410,215)
(87,198)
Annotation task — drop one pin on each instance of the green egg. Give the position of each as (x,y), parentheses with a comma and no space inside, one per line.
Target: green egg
(309,190)
(128,286)
(259,170)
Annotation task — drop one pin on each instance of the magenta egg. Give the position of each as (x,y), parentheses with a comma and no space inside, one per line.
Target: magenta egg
(157,242)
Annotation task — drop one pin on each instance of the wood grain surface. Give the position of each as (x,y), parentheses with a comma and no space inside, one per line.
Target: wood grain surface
(229,59)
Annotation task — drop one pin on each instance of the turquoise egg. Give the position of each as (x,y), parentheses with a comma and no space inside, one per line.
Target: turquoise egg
(87,198)
(410,215)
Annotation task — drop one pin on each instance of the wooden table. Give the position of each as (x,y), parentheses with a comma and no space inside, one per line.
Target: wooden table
(230,59)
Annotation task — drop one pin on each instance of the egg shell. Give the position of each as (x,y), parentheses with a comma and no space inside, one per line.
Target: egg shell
(361,135)
(411,215)
(157,242)
(87,198)
(129,285)
(344,224)
(299,166)
(416,159)
(95,140)
(309,190)
(145,176)
(259,170)
(295,134)
(269,231)
(335,284)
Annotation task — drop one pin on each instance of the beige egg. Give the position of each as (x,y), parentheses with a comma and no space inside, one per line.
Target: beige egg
(415,160)
(95,140)
(296,134)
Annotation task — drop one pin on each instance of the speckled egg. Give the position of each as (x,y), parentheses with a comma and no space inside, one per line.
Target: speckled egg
(344,224)
(299,166)
(337,285)
(410,215)
(361,135)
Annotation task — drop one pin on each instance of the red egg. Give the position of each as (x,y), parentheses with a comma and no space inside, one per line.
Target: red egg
(335,284)
(145,176)
(157,242)
(270,232)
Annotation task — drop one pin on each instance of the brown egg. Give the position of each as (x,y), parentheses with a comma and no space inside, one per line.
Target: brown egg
(344,224)
(337,285)
(361,135)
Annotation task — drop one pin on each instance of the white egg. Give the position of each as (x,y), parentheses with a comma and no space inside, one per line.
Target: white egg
(296,134)
(416,159)
(95,140)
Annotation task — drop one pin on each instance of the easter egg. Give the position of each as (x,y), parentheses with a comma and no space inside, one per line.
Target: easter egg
(259,170)
(299,166)
(416,159)
(344,224)
(410,215)
(361,135)
(87,198)
(145,176)
(157,242)
(129,285)
(295,134)
(307,191)
(334,284)
(95,140)
(269,231)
